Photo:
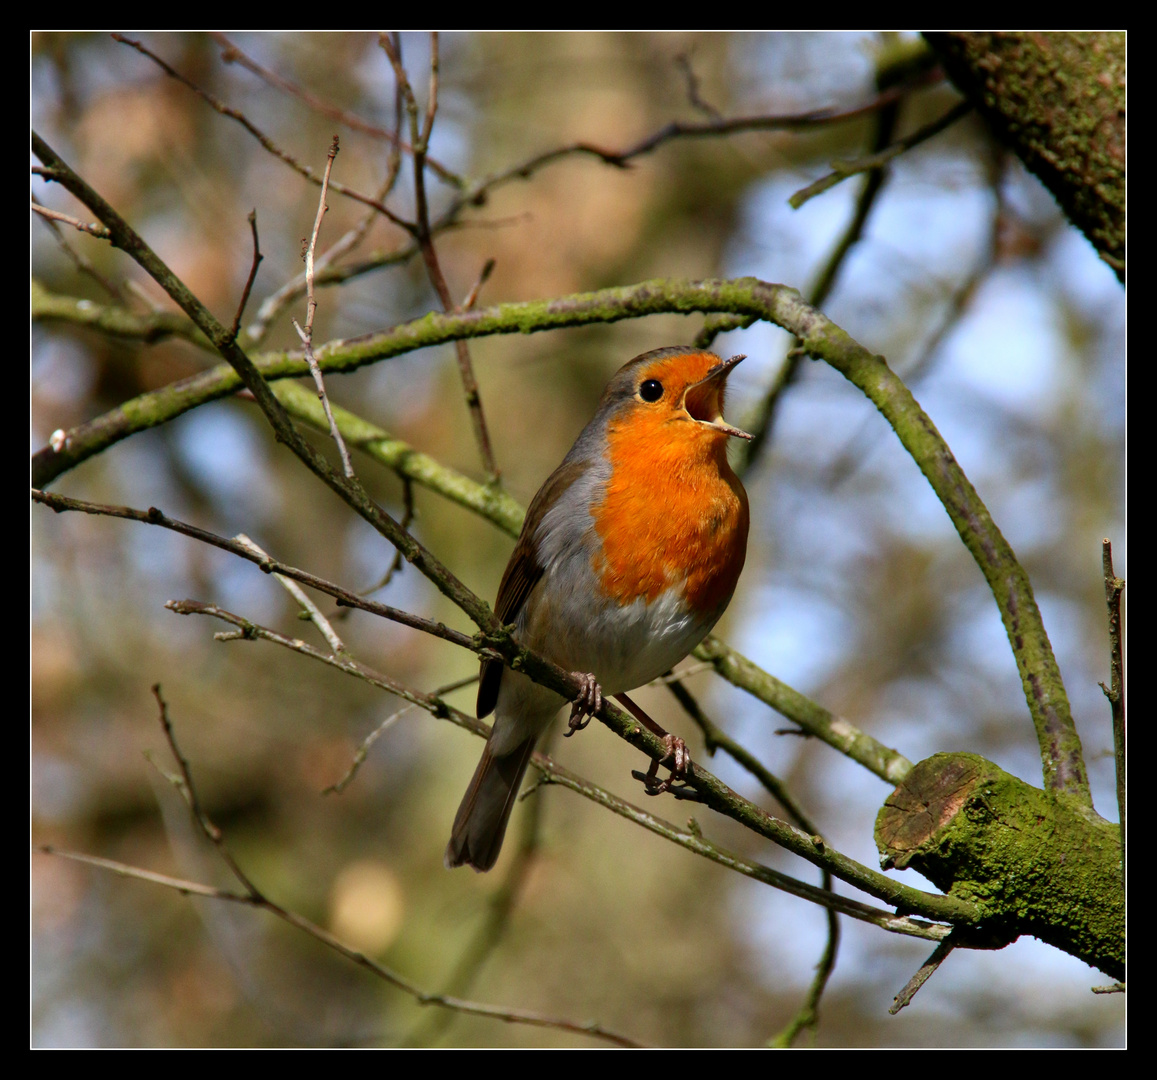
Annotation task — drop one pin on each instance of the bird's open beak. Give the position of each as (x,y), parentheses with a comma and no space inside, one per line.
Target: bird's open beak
(704,400)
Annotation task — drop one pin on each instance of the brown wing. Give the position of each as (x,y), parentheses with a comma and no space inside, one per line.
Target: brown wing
(523,572)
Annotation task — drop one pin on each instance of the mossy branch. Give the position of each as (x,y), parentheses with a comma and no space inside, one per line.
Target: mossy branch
(1062,762)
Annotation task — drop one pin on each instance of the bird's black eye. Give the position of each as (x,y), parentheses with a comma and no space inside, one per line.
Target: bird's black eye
(651,390)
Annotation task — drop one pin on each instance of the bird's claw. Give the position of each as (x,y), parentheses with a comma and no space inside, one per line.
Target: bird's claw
(588,702)
(679,759)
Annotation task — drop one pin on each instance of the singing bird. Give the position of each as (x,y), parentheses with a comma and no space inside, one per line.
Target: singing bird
(629,554)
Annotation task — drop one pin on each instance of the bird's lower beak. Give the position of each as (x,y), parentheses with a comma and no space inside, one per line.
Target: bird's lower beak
(704,400)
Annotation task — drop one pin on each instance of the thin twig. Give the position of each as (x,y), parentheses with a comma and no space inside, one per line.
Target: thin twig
(189,793)
(888,764)
(257,257)
(422,997)
(82,264)
(420,139)
(683,63)
(883,127)
(153,516)
(92,228)
(252,897)
(260,136)
(188,888)
(363,749)
(1115,692)
(273,305)
(250,631)
(808,1013)
(231,54)
(939,955)
(706,129)
(501,905)
(483,277)
(294,590)
(870,162)
(306,332)
(716,738)
(407,518)
(692,839)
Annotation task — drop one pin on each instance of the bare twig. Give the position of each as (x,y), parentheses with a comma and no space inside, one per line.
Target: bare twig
(257,133)
(294,590)
(252,897)
(363,749)
(347,243)
(715,738)
(939,955)
(422,997)
(483,277)
(306,332)
(397,562)
(883,127)
(704,129)
(250,631)
(841,170)
(683,63)
(82,264)
(420,139)
(92,228)
(257,257)
(1115,691)
(888,764)
(1112,988)
(189,793)
(692,839)
(501,905)
(153,516)
(231,54)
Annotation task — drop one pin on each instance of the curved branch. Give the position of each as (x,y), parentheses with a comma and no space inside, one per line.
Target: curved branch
(1060,748)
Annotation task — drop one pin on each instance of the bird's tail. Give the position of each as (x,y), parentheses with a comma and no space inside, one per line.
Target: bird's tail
(480,824)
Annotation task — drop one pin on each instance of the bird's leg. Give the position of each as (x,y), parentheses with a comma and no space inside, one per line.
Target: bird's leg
(677,752)
(586,704)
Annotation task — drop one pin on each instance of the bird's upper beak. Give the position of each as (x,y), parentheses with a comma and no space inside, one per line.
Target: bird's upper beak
(704,400)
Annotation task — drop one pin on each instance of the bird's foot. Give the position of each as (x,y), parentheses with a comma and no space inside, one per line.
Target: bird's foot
(678,760)
(586,704)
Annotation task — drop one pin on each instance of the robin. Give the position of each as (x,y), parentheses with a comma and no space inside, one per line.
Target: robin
(629,554)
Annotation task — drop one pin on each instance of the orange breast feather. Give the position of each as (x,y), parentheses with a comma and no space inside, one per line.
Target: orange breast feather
(674,513)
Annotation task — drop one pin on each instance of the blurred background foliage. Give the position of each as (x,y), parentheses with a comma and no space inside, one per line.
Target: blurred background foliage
(857,591)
